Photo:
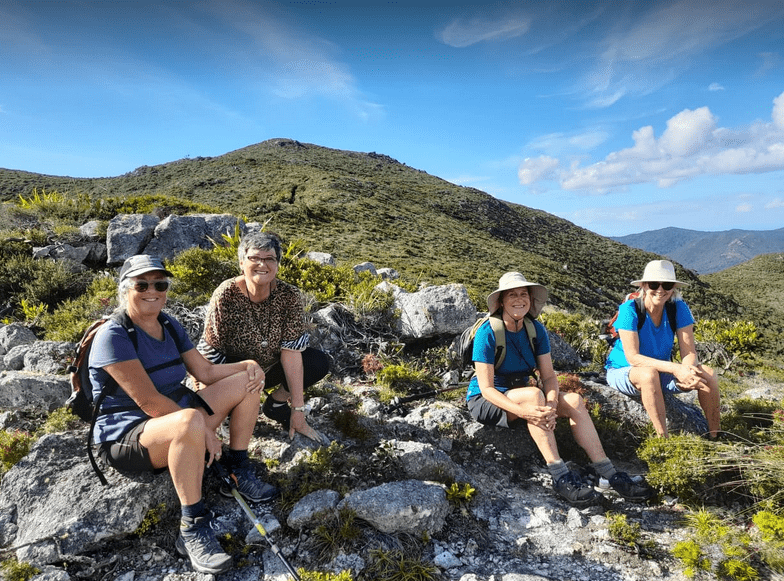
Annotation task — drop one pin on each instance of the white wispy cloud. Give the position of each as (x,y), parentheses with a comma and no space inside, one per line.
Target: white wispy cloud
(663,41)
(692,145)
(744,208)
(715,87)
(461,33)
(294,62)
(775,203)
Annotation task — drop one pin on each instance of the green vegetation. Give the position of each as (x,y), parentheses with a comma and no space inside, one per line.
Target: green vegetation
(336,531)
(460,494)
(629,535)
(316,576)
(13,570)
(397,566)
(14,445)
(729,548)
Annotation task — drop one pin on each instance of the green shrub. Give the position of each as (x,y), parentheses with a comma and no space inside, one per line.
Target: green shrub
(13,570)
(738,337)
(197,273)
(70,319)
(677,465)
(13,447)
(628,535)
(690,553)
(60,420)
(581,332)
(460,494)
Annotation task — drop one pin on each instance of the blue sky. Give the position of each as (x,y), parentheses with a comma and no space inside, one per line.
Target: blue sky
(618,116)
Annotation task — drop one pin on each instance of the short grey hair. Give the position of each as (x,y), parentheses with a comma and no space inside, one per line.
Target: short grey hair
(259,241)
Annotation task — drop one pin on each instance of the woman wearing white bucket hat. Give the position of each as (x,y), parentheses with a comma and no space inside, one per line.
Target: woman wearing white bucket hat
(503,396)
(639,364)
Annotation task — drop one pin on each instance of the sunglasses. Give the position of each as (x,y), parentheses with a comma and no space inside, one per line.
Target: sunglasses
(665,285)
(141,286)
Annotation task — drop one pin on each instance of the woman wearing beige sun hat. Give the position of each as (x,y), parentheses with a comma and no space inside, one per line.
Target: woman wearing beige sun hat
(503,396)
(640,365)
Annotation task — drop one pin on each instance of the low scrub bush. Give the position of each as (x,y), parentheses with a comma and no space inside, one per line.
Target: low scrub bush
(70,319)
(14,445)
(580,332)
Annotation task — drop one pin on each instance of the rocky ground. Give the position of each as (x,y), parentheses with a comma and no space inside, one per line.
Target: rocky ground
(514,527)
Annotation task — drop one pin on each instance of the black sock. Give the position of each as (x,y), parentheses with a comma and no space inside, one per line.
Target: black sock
(236,457)
(191,511)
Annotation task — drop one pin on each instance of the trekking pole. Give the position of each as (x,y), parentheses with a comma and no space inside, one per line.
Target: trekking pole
(399,401)
(231,480)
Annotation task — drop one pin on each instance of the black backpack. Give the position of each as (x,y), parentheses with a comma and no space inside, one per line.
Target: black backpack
(610,333)
(465,345)
(81,401)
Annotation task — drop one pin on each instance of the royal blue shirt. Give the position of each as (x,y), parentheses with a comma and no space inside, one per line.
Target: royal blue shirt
(519,357)
(655,342)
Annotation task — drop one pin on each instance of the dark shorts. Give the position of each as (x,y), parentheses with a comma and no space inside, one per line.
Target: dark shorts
(490,414)
(127,454)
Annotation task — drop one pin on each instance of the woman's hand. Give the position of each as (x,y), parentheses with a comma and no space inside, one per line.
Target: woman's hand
(256,377)
(214,447)
(691,377)
(542,416)
(298,424)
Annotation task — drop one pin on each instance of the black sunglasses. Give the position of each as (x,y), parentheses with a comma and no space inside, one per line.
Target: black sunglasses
(141,286)
(665,285)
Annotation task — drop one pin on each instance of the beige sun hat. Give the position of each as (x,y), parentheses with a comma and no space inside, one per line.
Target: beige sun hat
(511,280)
(659,271)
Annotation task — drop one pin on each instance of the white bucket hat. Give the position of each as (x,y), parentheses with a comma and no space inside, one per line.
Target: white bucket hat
(511,280)
(659,271)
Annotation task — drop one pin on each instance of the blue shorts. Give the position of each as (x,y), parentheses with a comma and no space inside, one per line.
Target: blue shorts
(619,379)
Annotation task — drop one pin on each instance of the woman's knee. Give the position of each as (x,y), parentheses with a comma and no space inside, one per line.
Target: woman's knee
(188,422)
(571,404)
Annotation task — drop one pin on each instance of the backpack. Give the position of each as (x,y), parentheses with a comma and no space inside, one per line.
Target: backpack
(465,345)
(80,402)
(610,333)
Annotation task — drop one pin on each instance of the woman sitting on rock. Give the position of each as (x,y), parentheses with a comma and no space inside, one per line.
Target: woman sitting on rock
(153,422)
(503,396)
(256,316)
(640,365)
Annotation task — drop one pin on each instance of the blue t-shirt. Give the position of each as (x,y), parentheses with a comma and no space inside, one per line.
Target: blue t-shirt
(112,344)
(518,359)
(655,342)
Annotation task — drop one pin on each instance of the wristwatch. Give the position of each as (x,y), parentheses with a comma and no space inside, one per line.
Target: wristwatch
(302,408)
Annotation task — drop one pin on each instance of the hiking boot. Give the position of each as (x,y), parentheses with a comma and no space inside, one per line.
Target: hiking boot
(636,489)
(278,411)
(249,487)
(578,493)
(197,542)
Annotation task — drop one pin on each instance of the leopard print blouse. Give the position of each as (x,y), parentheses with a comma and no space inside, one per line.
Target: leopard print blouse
(238,328)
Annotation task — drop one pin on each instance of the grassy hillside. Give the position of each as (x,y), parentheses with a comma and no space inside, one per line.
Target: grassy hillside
(367,206)
(757,286)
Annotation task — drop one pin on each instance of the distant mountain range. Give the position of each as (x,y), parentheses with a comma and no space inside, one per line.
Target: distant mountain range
(707,252)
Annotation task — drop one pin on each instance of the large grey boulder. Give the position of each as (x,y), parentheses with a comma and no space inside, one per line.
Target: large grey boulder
(175,234)
(32,391)
(433,311)
(13,335)
(54,505)
(405,506)
(127,235)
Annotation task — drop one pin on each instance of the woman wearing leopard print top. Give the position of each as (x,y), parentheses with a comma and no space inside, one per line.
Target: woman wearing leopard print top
(256,316)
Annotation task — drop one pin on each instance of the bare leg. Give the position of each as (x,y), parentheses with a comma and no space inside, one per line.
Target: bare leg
(647,381)
(544,439)
(709,398)
(229,396)
(177,440)
(572,406)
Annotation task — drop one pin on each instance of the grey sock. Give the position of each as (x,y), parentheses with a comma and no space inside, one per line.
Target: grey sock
(557,469)
(604,468)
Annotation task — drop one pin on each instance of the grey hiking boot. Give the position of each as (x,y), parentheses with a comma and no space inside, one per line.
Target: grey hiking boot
(248,485)
(578,493)
(636,489)
(197,542)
